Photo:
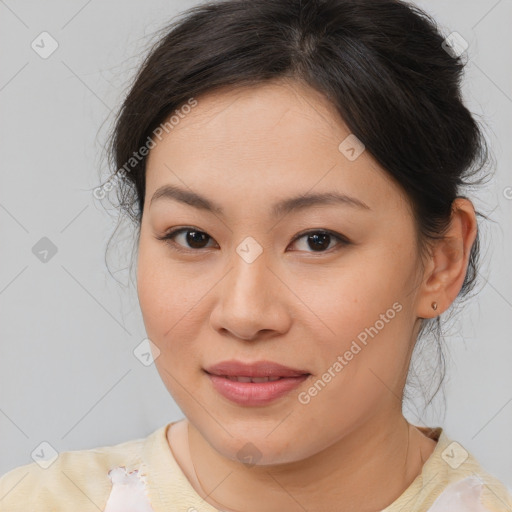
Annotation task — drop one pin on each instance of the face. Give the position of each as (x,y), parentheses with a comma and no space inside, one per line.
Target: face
(327,287)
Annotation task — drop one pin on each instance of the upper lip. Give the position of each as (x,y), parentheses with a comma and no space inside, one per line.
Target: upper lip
(235,368)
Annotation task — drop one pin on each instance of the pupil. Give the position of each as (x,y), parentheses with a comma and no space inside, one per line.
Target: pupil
(322,238)
(196,242)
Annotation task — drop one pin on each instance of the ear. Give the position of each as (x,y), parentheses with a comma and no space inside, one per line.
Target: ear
(447,265)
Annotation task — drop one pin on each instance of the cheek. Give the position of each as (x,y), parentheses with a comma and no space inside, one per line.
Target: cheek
(166,302)
(175,307)
(340,303)
(361,313)
(170,318)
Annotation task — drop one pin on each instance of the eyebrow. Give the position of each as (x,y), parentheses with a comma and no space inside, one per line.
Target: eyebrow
(296,203)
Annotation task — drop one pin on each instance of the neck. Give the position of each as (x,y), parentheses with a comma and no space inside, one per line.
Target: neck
(365,471)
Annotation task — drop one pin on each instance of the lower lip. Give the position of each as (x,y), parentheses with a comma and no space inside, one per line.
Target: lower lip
(255,393)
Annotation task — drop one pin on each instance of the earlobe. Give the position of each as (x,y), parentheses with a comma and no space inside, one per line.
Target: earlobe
(449,261)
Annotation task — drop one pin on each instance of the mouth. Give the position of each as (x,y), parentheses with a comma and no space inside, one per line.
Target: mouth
(256,369)
(254,384)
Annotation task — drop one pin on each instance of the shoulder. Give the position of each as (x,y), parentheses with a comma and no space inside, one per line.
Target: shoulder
(494,494)
(468,487)
(79,477)
(475,493)
(452,480)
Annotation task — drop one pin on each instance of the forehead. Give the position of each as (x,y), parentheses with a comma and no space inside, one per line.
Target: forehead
(259,112)
(278,138)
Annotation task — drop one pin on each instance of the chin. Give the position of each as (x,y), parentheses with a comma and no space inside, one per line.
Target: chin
(256,447)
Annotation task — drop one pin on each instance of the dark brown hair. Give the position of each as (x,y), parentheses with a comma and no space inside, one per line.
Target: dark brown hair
(383,64)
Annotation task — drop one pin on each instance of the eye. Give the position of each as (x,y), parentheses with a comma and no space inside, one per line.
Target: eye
(320,240)
(196,238)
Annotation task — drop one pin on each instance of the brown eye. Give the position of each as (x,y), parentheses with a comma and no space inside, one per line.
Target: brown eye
(191,238)
(196,239)
(320,241)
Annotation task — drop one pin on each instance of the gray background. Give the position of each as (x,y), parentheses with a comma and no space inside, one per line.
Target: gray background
(68,374)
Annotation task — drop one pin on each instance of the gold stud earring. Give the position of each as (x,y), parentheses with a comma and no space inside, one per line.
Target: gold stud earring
(434,306)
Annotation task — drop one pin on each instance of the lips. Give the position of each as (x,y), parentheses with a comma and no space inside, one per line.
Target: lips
(254,384)
(255,370)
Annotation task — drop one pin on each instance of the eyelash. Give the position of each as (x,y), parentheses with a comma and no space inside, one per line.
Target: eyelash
(168,239)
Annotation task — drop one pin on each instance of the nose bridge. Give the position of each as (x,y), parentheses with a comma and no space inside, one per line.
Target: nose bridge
(249,279)
(247,301)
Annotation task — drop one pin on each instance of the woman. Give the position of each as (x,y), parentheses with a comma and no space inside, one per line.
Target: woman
(294,169)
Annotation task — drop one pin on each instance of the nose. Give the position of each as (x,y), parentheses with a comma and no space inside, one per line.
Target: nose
(251,302)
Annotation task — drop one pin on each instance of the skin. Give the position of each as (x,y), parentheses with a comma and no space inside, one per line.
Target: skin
(350,448)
